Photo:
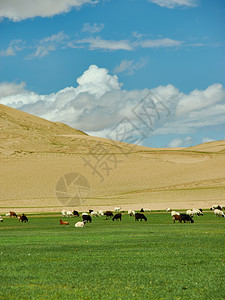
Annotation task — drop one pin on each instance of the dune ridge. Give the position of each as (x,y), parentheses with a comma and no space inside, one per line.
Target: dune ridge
(35,154)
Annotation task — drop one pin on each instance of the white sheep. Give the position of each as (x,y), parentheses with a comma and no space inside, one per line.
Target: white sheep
(218,213)
(216,206)
(189,212)
(64,213)
(80,224)
(69,214)
(100,213)
(1,220)
(197,211)
(174,213)
(131,212)
(117,209)
(168,209)
(94,214)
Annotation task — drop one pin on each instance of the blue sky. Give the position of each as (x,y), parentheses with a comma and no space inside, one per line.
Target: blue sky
(90,63)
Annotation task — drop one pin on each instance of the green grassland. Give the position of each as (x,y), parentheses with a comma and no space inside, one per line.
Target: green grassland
(156,259)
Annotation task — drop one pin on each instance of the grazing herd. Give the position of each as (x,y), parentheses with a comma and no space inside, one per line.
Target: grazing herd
(117,215)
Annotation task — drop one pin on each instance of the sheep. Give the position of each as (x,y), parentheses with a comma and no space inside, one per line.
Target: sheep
(218,213)
(1,220)
(76,213)
(11,214)
(69,214)
(101,213)
(80,224)
(168,209)
(197,212)
(87,218)
(176,217)
(94,214)
(173,213)
(22,218)
(189,212)
(108,214)
(131,213)
(216,206)
(64,213)
(139,216)
(63,222)
(117,209)
(117,217)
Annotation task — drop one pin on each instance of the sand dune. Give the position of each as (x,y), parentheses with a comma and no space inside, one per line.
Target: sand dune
(47,166)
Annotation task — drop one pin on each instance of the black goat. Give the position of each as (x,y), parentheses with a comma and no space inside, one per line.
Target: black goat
(139,216)
(184,218)
(76,213)
(108,214)
(87,218)
(117,217)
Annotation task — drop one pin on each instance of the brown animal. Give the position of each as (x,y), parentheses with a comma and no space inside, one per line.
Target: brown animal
(176,218)
(12,214)
(108,214)
(64,222)
(22,218)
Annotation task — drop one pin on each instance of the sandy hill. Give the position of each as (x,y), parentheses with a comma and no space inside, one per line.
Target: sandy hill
(47,166)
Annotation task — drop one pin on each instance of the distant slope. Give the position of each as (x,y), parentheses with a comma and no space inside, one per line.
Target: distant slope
(217,146)
(35,154)
(20,131)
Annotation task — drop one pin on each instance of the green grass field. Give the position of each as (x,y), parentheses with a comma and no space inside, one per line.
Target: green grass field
(156,259)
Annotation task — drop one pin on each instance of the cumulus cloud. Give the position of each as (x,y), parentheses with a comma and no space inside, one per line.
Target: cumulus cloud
(198,100)
(175,3)
(130,66)
(98,103)
(20,10)
(87,27)
(9,89)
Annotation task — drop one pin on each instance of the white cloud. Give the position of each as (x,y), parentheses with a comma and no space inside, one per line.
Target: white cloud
(98,103)
(181,142)
(87,27)
(207,140)
(20,10)
(175,3)
(49,44)
(198,100)
(61,40)
(9,89)
(156,43)
(98,43)
(130,66)
(14,46)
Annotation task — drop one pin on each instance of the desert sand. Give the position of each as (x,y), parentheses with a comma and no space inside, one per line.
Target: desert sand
(48,166)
